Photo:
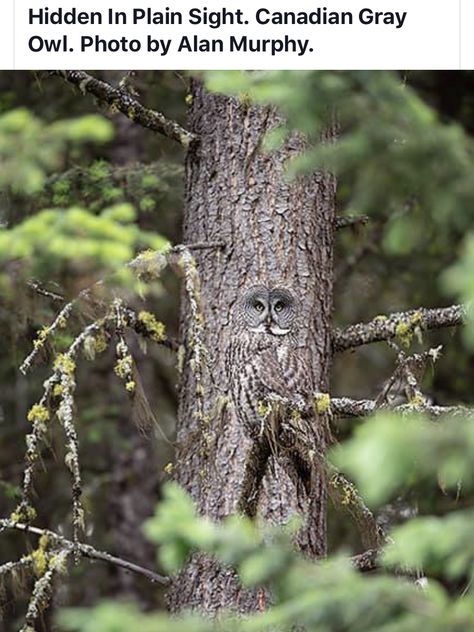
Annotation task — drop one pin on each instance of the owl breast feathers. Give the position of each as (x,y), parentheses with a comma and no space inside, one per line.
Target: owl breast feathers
(263,361)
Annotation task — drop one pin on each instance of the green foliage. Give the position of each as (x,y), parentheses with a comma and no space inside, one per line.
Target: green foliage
(118,617)
(30,149)
(385,130)
(459,280)
(74,238)
(321,597)
(146,187)
(390,452)
(441,546)
(397,161)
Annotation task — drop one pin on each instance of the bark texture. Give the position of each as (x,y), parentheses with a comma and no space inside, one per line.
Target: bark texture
(275,232)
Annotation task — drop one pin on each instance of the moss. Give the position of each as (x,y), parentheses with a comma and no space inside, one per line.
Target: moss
(154,328)
(322,401)
(417,400)
(58,563)
(346,490)
(64,364)
(263,409)
(39,413)
(23,513)
(295,415)
(123,368)
(40,561)
(57,390)
(406,329)
(150,263)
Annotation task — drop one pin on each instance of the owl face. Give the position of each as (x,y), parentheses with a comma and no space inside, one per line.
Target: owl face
(269,311)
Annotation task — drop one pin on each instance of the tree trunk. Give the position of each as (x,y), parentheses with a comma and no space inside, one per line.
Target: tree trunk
(275,232)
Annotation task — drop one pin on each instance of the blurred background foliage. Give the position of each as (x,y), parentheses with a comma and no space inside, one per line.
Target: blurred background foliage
(83,189)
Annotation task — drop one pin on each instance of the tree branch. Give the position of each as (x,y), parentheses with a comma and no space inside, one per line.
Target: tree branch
(128,105)
(398,324)
(346,407)
(365,562)
(345,221)
(86,550)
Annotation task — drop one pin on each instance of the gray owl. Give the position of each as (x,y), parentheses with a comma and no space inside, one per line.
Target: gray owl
(263,360)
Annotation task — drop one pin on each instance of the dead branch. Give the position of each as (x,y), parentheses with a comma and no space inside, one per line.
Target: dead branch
(346,407)
(346,221)
(366,561)
(397,324)
(125,103)
(86,550)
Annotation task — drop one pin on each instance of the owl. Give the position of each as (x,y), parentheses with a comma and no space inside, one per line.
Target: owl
(263,362)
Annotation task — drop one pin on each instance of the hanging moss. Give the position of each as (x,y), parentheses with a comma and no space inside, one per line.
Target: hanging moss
(154,328)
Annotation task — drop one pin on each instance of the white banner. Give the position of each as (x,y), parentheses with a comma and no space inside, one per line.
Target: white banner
(226,34)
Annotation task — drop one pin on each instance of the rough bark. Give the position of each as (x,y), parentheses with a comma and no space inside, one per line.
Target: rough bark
(276,232)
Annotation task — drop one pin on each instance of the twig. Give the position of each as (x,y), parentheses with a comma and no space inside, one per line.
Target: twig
(128,105)
(86,550)
(346,407)
(210,245)
(388,327)
(346,498)
(350,220)
(39,289)
(366,561)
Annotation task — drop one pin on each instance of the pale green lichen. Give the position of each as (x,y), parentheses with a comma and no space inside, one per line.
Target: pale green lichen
(263,409)
(38,413)
(417,400)
(65,364)
(322,402)
(149,264)
(154,328)
(40,561)
(23,513)
(58,390)
(123,367)
(406,329)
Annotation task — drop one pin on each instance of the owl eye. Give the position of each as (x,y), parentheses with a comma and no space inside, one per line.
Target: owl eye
(279,306)
(259,306)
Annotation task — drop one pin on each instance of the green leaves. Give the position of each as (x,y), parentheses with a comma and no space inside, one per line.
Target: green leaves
(440,546)
(389,452)
(459,280)
(122,617)
(74,238)
(31,149)
(177,527)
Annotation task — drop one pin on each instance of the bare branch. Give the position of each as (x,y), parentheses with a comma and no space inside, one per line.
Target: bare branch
(398,324)
(86,550)
(366,561)
(123,101)
(39,289)
(346,221)
(346,407)
(346,498)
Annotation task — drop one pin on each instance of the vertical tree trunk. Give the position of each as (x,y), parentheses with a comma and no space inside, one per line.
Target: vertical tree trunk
(274,231)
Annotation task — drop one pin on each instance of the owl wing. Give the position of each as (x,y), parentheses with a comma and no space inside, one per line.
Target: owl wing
(285,373)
